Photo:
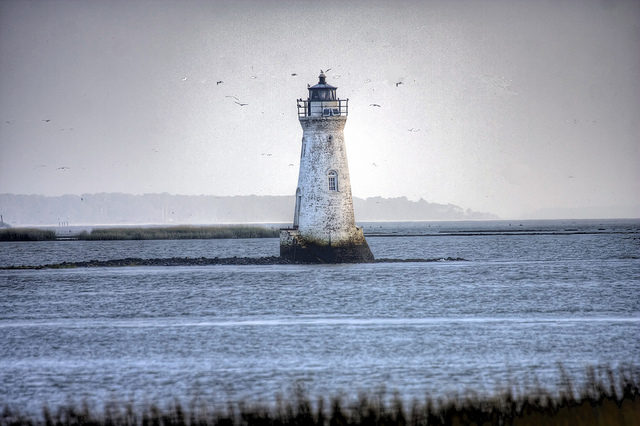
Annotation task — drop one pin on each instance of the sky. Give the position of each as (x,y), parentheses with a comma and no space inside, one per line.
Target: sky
(524,109)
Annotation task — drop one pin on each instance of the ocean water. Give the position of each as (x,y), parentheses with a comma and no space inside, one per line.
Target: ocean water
(528,297)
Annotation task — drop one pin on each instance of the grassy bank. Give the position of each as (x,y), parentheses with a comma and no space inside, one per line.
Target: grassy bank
(180,233)
(601,401)
(26,234)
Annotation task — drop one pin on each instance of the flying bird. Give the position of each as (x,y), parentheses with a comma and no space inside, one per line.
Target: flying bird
(398,83)
(219,82)
(63,168)
(414,130)
(374,164)
(328,69)
(375,105)
(239,103)
(184,78)
(293,74)
(46,121)
(227,96)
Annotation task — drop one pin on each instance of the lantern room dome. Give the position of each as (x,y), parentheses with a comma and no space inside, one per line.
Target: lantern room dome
(322,83)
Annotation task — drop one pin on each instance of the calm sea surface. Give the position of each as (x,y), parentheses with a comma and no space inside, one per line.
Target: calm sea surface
(530,295)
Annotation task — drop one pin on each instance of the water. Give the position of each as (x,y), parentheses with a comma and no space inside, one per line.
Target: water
(561,292)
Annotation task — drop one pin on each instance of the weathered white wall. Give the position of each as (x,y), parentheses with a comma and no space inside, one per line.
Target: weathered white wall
(325,216)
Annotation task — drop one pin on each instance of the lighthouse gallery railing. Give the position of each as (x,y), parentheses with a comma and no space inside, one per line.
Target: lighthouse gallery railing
(327,108)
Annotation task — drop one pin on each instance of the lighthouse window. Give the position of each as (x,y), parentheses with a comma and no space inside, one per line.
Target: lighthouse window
(333,180)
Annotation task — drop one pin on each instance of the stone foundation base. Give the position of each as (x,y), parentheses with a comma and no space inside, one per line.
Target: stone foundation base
(296,248)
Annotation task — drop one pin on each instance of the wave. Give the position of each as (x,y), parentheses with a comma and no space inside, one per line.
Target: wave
(165,322)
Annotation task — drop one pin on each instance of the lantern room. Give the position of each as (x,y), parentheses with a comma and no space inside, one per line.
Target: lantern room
(322,91)
(322,101)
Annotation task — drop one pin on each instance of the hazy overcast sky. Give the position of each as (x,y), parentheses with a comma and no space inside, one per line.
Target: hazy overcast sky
(510,107)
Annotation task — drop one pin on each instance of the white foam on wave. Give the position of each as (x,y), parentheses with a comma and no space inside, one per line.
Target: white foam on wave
(310,321)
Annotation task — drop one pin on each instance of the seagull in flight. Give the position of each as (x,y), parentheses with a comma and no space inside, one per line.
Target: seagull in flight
(228,96)
(46,121)
(63,168)
(375,105)
(399,83)
(240,103)
(219,82)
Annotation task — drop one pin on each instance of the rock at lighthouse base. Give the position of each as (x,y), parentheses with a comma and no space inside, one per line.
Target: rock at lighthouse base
(297,248)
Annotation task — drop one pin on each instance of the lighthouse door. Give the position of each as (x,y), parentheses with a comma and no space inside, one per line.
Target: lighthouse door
(297,212)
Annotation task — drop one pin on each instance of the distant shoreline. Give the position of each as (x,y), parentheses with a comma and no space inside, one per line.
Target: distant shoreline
(142,233)
(463,228)
(168,209)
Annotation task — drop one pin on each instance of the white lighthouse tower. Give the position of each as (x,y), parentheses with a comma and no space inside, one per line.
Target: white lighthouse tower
(324,228)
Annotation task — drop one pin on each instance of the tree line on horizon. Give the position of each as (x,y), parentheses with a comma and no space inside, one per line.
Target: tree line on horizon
(118,208)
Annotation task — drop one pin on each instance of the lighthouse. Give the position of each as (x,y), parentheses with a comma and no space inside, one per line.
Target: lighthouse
(324,229)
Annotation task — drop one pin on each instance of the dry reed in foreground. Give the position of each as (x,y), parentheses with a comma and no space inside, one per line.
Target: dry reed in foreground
(605,399)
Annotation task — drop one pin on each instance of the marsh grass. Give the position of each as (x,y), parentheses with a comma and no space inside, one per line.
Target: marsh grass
(180,233)
(607,398)
(26,234)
